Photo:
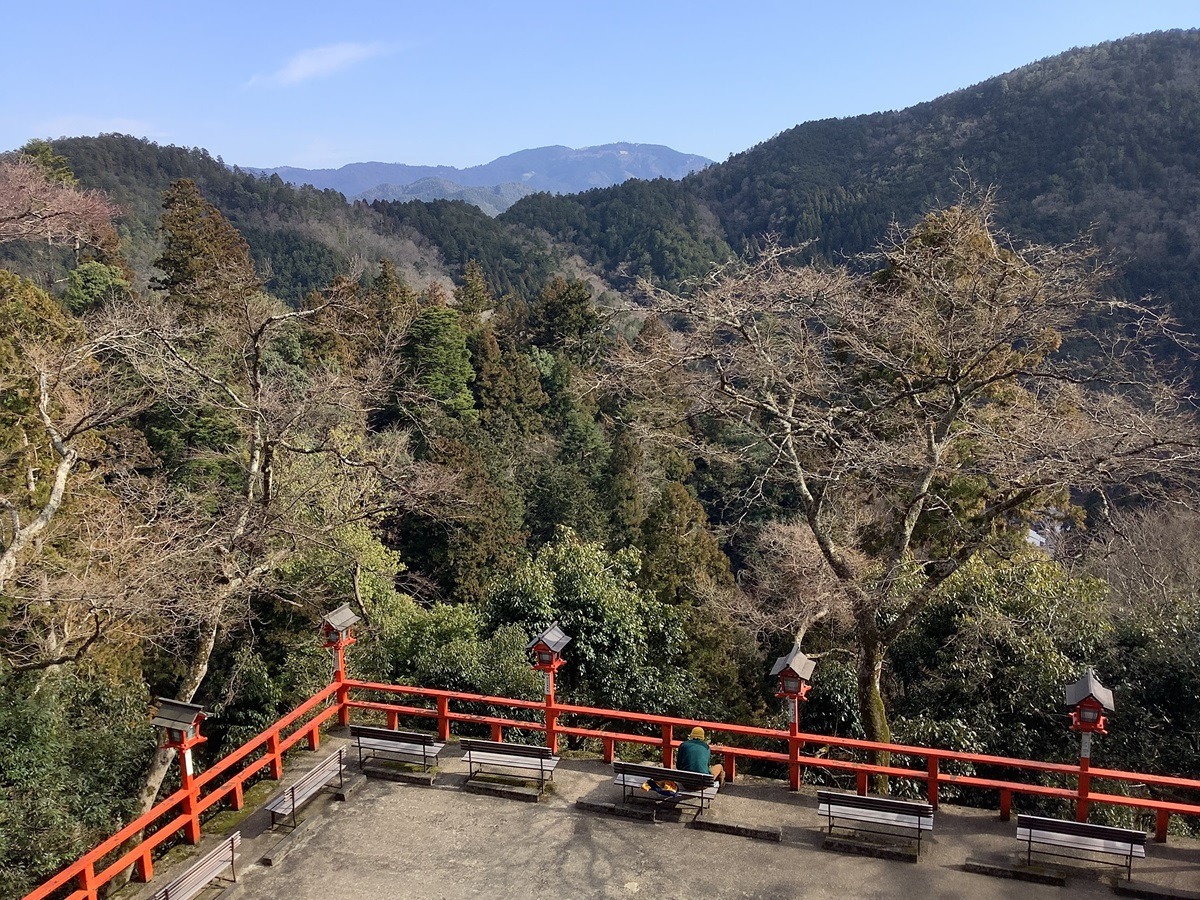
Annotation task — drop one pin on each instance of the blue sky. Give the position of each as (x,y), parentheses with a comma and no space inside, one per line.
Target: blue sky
(460,83)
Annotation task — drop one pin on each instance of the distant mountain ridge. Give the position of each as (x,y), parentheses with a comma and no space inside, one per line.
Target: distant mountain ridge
(1101,140)
(557,169)
(493,200)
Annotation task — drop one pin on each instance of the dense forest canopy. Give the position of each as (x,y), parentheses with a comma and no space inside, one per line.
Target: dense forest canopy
(228,405)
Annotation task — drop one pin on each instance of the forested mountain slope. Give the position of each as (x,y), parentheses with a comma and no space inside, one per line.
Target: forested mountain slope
(1106,136)
(300,238)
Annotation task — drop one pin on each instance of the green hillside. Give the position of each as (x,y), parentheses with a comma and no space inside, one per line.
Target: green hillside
(1105,137)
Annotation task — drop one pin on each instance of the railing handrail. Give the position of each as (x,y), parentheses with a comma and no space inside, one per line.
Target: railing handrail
(778,734)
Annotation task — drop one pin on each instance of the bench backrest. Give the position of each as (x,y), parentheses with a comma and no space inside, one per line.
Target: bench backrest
(470,744)
(879,804)
(1082,829)
(391,734)
(204,870)
(686,780)
(320,773)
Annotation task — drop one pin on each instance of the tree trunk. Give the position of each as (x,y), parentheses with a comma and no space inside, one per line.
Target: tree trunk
(871,651)
(160,764)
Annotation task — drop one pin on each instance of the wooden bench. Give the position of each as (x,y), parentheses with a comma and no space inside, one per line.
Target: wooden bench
(498,755)
(308,787)
(632,777)
(905,816)
(1081,836)
(403,746)
(198,876)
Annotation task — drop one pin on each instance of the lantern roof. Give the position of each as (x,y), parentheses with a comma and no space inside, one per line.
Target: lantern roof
(796,661)
(341,618)
(173,714)
(1089,686)
(553,637)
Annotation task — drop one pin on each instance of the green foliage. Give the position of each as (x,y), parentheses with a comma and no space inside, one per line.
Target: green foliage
(444,646)
(91,283)
(993,653)
(205,262)
(72,745)
(511,259)
(681,558)
(440,360)
(565,320)
(625,648)
(57,167)
(656,229)
(1152,664)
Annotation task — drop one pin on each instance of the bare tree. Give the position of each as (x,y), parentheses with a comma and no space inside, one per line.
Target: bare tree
(35,208)
(308,466)
(927,412)
(786,587)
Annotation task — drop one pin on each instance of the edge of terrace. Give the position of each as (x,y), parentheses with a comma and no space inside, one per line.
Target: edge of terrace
(225,781)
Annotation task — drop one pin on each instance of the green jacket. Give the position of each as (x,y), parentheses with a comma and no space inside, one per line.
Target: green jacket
(693,756)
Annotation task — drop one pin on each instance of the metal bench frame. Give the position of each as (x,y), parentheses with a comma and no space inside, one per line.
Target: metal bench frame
(412,747)
(495,754)
(308,787)
(697,786)
(203,871)
(907,815)
(1081,836)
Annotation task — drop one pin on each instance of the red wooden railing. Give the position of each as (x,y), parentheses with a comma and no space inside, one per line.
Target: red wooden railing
(180,812)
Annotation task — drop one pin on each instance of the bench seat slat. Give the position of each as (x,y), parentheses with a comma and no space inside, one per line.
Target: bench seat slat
(388,734)
(516,762)
(1076,842)
(198,876)
(307,787)
(473,745)
(630,781)
(400,747)
(925,823)
(1085,829)
(699,780)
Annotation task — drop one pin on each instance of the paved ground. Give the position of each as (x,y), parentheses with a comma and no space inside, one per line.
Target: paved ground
(394,841)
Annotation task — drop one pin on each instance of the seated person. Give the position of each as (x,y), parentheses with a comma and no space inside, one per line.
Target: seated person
(694,755)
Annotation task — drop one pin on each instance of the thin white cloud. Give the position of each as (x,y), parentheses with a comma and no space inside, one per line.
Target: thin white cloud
(318,63)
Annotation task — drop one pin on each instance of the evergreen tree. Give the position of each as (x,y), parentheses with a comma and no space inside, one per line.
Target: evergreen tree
(440,361)
(205,262)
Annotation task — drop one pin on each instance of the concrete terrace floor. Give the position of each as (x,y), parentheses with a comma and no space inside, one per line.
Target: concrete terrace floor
(400,841)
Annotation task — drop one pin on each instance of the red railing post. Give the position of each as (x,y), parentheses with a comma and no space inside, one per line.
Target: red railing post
(343,691)
(143,867)
(314,738)
(191,798)
(443,717)
(610,748)
(87,880)
(931,785)
(497,732)
(1085,786)
(1160,826)
(393,719)
(239,796)
(794,747)
(551,714)
(861,784)
(274,754)
(730,767)
(668,749)
(1005,804)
